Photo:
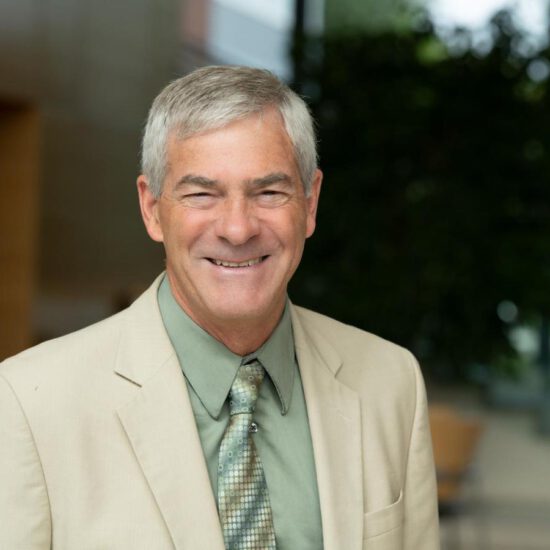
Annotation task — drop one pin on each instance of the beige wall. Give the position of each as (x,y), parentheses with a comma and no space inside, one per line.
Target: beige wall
(91,69)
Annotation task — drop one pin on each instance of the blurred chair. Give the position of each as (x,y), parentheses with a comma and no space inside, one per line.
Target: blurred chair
(455,439)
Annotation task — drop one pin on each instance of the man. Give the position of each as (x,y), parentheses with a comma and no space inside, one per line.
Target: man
(213,413)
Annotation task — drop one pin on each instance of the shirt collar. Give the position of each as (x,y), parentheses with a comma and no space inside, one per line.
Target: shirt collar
(210,367)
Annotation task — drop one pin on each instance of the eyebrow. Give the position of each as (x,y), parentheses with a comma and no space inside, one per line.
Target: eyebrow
(270,179)
(194,179)
(203,181)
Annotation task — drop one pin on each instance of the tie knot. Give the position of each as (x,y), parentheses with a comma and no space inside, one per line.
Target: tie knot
(245,389)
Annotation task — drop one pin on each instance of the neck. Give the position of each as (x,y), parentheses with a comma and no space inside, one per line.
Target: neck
(242,336)
(241,340)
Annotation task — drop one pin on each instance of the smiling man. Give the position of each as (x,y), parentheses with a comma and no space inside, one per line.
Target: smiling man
(213,413)
(233,216)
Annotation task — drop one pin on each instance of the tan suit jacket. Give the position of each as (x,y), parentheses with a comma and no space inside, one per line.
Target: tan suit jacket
(99,448)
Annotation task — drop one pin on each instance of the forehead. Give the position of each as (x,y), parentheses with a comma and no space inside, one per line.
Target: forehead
(258,141)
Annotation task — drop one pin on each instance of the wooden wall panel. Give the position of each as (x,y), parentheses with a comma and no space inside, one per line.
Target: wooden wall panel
(19,171)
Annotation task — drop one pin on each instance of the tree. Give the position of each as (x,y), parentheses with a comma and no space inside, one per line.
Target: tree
(436,203)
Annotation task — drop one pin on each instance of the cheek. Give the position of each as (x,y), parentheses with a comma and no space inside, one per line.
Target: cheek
(292,235)
(181,229)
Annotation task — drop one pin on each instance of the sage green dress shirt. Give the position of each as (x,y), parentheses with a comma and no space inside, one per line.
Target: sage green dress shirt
(283,439)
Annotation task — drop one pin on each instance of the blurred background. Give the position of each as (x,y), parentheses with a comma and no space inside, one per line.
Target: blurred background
(434,223)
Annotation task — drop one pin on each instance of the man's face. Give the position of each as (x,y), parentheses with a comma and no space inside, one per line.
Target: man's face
(233,218)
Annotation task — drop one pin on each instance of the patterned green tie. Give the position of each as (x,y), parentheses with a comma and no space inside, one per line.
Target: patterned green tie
(243,500)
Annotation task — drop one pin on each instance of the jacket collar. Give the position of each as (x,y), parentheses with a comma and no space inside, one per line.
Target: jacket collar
(161,429)
(335,423)
(160,426)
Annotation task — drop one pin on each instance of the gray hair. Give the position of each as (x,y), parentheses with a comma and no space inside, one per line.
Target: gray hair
(212,97)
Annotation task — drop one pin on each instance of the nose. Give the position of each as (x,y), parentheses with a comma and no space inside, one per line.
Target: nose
(237,222)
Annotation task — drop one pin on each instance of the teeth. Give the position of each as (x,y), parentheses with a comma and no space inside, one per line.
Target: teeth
(247,263)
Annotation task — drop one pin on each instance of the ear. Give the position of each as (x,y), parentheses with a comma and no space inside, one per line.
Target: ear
(149,204)
(312,201)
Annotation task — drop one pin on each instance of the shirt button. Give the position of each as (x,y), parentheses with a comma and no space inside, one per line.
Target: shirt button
(253,428)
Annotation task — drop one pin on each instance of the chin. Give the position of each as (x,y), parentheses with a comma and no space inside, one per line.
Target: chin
(239,313)
(243,309)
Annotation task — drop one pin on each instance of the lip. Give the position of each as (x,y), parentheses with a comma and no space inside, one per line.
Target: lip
(237,269)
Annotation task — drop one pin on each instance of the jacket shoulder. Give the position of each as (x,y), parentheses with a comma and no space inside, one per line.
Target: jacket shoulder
(71,349)
(367,360)
(93,346)
(347,339)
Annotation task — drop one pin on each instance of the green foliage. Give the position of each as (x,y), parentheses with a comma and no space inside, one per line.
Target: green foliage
(370,15)
(436,200)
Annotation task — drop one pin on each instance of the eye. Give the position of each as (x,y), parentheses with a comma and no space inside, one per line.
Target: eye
(201,199)
(272,197)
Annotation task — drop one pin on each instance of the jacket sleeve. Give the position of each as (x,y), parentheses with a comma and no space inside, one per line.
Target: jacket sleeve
(421,513)
(24,507)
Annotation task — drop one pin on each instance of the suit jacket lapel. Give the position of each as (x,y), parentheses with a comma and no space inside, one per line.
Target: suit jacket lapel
(335,423)
(161,428)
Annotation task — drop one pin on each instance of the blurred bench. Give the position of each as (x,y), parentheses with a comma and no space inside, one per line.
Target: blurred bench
(455,440)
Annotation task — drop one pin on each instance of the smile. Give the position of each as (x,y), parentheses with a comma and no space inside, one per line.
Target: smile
(246,263)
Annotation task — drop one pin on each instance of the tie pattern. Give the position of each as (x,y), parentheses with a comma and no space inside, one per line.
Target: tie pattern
(243,500)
